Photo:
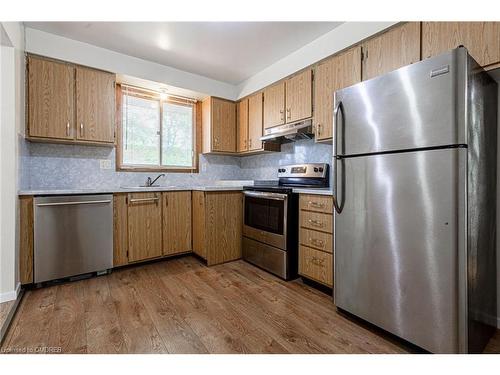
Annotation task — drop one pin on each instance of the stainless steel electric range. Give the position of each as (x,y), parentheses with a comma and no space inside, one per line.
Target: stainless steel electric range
(270,227)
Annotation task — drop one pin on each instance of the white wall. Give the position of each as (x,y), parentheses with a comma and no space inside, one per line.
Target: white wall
(11,127)
(336,40)
(42,43)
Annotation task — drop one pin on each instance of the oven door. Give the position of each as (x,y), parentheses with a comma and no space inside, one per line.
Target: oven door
(265,216)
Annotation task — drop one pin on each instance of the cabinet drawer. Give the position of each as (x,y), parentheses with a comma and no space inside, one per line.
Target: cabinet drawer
(316,265)
(318,240)
(316,221)
(317,203)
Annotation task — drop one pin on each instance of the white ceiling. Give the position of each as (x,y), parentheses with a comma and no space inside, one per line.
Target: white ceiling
(226,51)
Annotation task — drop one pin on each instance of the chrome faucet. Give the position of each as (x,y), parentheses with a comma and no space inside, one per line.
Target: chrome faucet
(150,182)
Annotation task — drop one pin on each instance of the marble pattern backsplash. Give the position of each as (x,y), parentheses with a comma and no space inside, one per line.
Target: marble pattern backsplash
(58,166)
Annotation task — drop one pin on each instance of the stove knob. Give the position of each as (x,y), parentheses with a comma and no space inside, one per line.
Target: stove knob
(315,169)
(321,169)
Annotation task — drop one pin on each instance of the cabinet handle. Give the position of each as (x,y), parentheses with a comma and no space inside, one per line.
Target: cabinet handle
(67,129)
(317,261)
(250,143)
(316,223)
(316,204)
(144,200)
(289,113)
(282,115)
(81,129)
(317,242)
(319,129)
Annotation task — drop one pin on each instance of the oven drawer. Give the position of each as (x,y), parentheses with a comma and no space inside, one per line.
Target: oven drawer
(267,257)
(316,221)
(316,265)
(317,203)
(318,240)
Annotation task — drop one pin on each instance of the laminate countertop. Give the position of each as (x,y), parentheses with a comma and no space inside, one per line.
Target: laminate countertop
(126,189)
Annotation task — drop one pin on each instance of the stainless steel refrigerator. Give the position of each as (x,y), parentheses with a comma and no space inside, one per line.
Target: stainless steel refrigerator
(414,180)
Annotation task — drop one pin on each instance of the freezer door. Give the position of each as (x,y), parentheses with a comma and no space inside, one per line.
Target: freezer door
(416,106)
(397,241)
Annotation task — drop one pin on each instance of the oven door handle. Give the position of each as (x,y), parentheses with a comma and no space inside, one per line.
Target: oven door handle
(266,195)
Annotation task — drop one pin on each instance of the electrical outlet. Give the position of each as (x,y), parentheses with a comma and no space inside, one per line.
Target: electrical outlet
(105,164)
(203,167)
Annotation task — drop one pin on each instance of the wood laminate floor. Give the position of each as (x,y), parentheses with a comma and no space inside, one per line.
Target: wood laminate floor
(182,306)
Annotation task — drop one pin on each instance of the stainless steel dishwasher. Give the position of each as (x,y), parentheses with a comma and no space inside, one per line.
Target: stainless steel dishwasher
(73,235)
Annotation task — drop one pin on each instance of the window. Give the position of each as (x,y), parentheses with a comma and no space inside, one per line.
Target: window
(156,133)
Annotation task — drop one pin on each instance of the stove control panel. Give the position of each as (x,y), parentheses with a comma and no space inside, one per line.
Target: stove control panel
(317,170)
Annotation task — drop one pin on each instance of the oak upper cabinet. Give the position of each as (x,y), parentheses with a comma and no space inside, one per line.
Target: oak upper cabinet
(242,118)
(391,50)
(333,74)
(219,125)
(176,222)
(255,118)
(95,105)
(144,217)
(299,96)
(289,100)
(274,105)
(70,103)
(50,99)
(482,39)
(217,225)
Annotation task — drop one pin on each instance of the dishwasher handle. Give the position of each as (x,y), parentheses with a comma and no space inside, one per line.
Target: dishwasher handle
(71,203)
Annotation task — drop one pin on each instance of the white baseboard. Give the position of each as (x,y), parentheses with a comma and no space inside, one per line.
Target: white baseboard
(10,296)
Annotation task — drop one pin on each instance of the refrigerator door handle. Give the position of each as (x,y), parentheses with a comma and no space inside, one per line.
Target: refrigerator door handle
(338,109)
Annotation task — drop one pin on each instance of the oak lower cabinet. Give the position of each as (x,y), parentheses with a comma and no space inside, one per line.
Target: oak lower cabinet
(144,217)
(217,225)
(391,50)
(69,103)
(176,222)
(482,39)
(219,126)
(333,74)
(316,238)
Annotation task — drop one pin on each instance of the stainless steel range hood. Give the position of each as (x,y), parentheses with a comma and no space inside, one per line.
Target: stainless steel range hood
(289,132)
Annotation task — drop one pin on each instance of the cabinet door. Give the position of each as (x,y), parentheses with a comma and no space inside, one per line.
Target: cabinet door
(50,99)
(223,125)
(224,213)
(144,226)
(95,105)
(482,39)
(274,105)
(176,222)
(242,111)
(331,75)
(120,230)
(199,244)
(299,96)
(255,122)
(391,50)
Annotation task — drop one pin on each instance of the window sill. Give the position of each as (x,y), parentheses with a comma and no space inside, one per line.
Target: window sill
(155,169)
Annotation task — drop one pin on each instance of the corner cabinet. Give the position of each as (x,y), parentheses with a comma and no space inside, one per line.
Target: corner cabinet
(218,126)
(482,40)
(333,74)
(217,225)
(69,103)
(391,50)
